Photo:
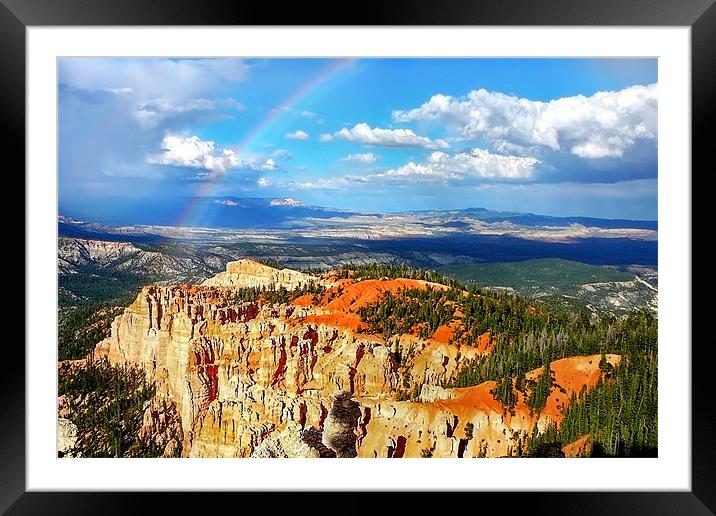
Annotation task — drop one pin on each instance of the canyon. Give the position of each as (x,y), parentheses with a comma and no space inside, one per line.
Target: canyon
(305,378)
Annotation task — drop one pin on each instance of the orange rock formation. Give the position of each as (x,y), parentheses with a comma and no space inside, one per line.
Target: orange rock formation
(251,379)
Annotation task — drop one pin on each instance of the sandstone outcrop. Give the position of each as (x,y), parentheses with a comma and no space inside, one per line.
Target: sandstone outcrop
(67,435)
(580,448)
(287,443)
(441,425)
(161,424)
(248,273)
(255,379)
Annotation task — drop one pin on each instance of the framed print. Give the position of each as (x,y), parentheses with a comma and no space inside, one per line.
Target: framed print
(451,234)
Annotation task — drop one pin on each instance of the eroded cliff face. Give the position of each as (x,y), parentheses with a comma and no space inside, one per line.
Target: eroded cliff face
(303,379)
(469,421)
(248,273)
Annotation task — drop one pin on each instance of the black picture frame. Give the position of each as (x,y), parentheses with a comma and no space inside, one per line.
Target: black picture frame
(700,15)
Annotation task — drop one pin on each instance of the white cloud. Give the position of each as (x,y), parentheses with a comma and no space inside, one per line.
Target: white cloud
(308,114)
(150,114)
(268,165)
(363,133)
(120,91)
(158,89)
(169,80)
(367,158)
(297,135)
(605,124)
(263,182)
(330,183)
(466,168)
(325,137)
(282,154)
(473,164)
(193,152)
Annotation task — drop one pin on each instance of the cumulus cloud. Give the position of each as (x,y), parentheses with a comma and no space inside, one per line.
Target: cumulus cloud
(307,114)
(603,125)
(473,164)
(297,135)
(325,137)
(263,182)
(193,152)
(469,168)
(367,158)
(363,133)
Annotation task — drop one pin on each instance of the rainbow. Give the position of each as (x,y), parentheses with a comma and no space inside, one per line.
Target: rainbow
(198,206)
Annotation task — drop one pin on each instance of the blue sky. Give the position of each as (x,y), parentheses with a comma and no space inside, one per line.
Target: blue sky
(552,136)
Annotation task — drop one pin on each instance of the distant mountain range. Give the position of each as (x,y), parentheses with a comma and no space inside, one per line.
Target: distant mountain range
(284,213)
(534,220)
(210,212)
